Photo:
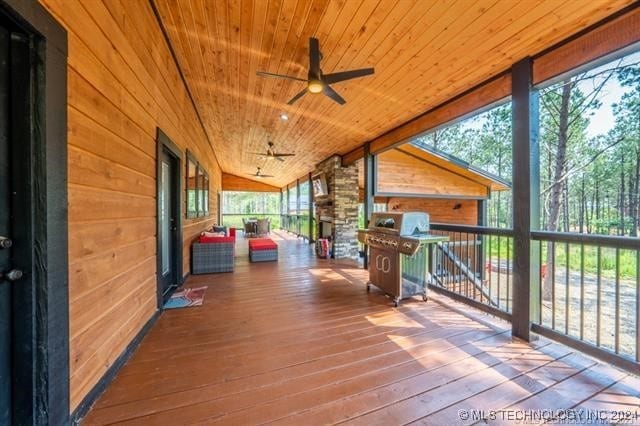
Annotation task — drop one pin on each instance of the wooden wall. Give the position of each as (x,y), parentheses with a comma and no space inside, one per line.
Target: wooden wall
(440,210)
(402,173)
(238,183)
(122,85)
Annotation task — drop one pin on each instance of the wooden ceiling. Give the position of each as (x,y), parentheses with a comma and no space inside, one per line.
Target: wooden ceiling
(424,52)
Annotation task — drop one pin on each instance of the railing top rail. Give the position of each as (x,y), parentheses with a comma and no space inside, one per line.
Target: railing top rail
(481,230)
(588,239)
(252,213)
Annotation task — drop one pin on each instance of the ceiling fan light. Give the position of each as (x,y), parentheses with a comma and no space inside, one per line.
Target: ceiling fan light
(284,117)
(315,86)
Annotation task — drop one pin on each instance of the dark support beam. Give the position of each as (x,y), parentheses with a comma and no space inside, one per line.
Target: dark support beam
(526,199)
(369,185)
(310,210)
(281,208)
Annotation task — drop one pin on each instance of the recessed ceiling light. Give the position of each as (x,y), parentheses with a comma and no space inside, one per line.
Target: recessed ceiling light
(284,117)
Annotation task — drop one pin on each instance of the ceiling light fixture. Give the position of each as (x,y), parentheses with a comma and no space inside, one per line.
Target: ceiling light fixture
(315,86)
(284,117)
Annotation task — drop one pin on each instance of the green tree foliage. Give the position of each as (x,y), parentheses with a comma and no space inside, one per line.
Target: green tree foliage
(589,182)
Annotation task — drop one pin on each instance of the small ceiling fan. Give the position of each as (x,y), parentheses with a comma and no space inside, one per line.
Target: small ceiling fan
(258,174)
(318,82)
(271,153)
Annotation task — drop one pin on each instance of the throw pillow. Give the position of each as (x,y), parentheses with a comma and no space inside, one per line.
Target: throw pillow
(220,229)
(212,234)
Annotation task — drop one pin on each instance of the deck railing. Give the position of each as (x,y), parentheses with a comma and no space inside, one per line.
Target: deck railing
(475,266)
(588,286)
(297,224)
(590,292)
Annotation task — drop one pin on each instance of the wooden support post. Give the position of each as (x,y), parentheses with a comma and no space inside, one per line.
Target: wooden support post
(369,173)
(526,199)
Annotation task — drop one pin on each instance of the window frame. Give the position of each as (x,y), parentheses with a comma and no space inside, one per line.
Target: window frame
(201,190)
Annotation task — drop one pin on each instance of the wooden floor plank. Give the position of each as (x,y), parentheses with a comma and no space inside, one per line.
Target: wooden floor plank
(300,341)
(510,392)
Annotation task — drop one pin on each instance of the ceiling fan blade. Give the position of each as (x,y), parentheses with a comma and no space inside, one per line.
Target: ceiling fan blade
(283,155)
(346,75)
(314,57)
(298,96)
(264,154)
(333,94)
(270,74)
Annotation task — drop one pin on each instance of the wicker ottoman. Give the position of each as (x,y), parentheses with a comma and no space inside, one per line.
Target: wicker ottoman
(263,250)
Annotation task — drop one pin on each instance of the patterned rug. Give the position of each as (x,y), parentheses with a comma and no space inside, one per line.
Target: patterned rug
(186,298)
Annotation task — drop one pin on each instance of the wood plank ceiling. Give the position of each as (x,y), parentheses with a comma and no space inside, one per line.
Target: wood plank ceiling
(424,52)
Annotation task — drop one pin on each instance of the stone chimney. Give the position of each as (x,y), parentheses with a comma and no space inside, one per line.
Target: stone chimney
(337,213)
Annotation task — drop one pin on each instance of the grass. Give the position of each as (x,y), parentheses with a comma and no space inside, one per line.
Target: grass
(501,248)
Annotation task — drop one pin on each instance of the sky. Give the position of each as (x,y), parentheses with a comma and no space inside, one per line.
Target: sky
(603,119)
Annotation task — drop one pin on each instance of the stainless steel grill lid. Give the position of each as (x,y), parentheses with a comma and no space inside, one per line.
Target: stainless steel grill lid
(400,223)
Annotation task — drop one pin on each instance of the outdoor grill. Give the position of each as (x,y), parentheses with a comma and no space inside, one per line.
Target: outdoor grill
(400,252)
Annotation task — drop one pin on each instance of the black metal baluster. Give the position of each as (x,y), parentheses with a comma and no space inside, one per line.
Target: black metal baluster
(445,263)
(508,268)
(567,305)
(499,270)
(553,285)
(541,285)
(475,268)
(468,265)
(637,305)
(617,312)
(458,254)
(490,263)
(581,291)
(598,294)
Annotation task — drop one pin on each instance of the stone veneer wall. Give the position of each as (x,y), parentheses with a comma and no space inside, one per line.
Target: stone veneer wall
(341,205)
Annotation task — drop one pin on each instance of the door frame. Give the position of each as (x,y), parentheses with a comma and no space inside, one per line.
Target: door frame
(163,142)
(43,293)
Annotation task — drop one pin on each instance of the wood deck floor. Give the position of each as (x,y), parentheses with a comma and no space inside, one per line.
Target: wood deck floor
(301,342)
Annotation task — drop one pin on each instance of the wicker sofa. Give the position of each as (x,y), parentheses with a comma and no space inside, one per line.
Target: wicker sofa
(213,254)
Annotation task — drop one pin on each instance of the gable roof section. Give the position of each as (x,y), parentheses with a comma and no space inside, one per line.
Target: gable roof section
(455,165)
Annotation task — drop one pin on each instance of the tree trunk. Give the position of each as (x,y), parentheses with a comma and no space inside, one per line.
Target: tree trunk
(634,197)
(559,165)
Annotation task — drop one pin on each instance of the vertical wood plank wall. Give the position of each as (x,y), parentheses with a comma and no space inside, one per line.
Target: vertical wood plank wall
(440,210)
(122,84)
(400,173)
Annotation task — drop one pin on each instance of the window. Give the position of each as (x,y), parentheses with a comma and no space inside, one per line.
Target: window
(238,205)
(293,199)
(197,188)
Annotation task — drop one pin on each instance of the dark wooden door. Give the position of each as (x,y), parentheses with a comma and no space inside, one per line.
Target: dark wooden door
(167,222)
(5,225)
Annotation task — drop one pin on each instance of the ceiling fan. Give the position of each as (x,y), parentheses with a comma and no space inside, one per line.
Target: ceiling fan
(258,174)
(318,82)
(272,154)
